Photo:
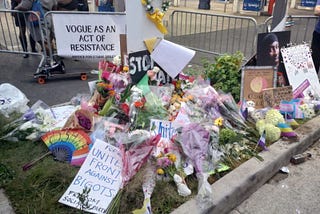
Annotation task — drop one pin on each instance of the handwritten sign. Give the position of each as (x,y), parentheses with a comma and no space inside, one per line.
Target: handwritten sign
(273,96)
(101,173)
(254,80)
(166,129)
(85,36)
(300,70)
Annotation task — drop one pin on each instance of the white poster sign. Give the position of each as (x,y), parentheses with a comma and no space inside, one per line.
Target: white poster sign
(88,35)
(101,173)
(300,71)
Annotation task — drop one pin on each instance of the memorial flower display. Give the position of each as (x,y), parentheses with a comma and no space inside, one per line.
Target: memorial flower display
(174,133)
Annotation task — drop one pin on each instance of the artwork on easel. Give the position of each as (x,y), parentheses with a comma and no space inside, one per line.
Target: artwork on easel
(301,71)
(254,80)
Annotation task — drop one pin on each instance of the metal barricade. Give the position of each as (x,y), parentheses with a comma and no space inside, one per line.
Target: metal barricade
(301,27)
(12,30)
(212,33)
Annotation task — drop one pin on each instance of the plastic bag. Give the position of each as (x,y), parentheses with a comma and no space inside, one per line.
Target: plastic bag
(12,100)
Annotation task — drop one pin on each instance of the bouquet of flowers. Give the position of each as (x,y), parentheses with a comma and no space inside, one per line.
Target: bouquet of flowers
(194,140)
(167,166)
(38,120)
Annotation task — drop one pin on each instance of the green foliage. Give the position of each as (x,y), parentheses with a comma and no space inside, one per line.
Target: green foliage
(227,136)
(224,73)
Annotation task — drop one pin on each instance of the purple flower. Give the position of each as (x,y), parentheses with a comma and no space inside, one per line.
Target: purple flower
(29,115)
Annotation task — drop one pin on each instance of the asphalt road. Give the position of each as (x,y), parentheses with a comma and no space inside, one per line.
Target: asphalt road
(18,71)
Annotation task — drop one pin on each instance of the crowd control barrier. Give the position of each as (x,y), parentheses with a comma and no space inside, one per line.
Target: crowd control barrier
(212,33)
(10,41)
(301,27)
(208,33)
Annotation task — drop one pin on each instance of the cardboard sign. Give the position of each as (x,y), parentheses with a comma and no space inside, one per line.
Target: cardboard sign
(254,80)
(273,96)
(101,173)
(79,36)
(300,71)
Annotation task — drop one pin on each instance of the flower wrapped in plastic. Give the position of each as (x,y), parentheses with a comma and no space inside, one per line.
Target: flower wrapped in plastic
(143,108)
(194,140)
(38,120)
(133,158)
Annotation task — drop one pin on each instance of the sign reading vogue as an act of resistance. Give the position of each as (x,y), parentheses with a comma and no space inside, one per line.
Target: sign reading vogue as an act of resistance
(93,36)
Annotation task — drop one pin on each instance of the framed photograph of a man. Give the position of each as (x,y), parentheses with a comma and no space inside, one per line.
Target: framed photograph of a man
(269,45)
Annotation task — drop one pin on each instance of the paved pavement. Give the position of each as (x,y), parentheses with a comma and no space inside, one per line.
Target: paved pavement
(296,192)
(229,191)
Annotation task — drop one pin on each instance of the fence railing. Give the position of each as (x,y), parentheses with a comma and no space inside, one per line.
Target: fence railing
(15,34)
(301,27)
(208,33)
(213,33)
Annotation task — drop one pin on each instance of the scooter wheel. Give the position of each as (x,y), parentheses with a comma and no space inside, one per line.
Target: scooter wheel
(41,80)
(84,77)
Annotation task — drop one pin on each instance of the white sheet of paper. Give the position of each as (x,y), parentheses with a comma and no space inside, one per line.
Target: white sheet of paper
(172,57)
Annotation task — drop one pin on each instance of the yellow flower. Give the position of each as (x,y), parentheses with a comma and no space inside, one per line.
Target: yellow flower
(218,121)
(160,171)
(172,157)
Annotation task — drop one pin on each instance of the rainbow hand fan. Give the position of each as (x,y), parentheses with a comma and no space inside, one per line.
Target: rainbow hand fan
(70,146)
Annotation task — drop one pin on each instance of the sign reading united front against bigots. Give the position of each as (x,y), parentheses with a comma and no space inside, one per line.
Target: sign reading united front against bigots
(88,35)
(101,174)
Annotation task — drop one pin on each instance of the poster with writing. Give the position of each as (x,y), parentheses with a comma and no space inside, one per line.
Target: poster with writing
(273,96)
(300,71)
(101,173)
(166,129)
(140,62)
(88,36)
(254,80)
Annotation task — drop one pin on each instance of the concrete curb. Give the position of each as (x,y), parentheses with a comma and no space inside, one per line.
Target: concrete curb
(232,189)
